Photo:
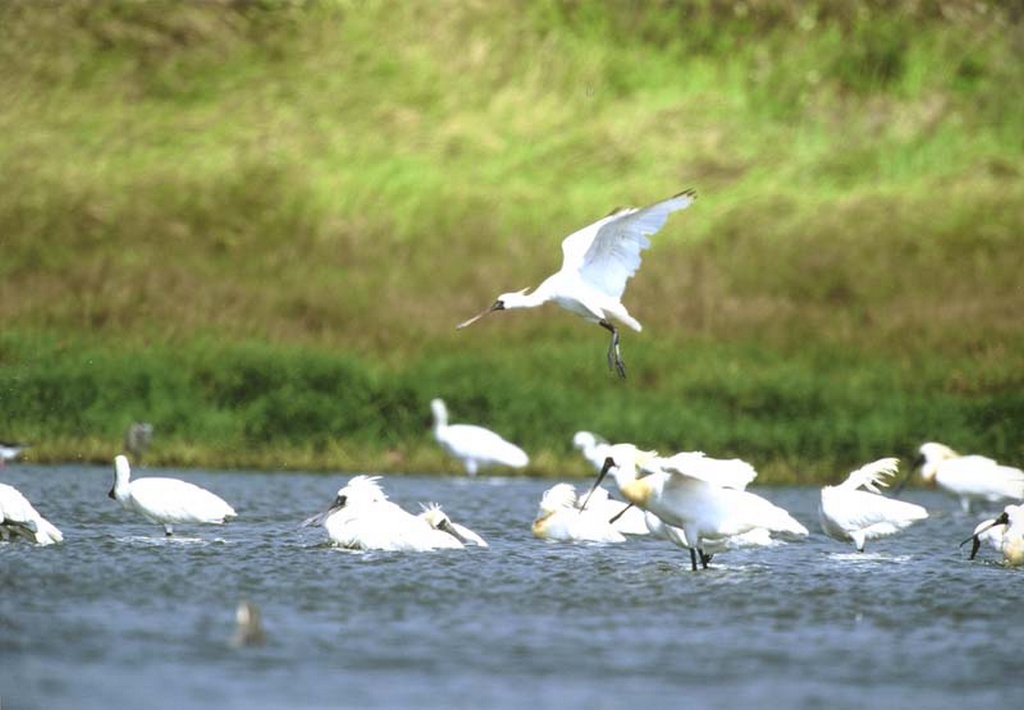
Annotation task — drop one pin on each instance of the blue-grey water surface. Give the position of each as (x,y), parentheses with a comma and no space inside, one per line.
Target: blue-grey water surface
(120,616)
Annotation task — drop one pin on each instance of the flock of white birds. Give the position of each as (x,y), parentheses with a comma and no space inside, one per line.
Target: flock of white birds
(694,501)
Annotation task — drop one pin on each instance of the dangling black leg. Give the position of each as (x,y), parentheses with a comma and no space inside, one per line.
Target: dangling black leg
(705,559)
(614,356)
(693,559)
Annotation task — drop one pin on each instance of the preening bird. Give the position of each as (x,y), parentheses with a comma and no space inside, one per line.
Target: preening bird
(475,446)
(19,519)
(362,518)
(596,263)
(850,514)
(167,501)
(559,519)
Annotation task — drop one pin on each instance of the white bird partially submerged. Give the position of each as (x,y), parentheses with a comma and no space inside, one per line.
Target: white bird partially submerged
(970,478)
(851,514)
(19,519)
(167,501)
(559,519)
(689,498)
(439,520)
(474,445)
(597,261)
(362,518)
(1006,533)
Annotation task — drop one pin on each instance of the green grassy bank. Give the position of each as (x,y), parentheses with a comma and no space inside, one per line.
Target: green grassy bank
(256,224)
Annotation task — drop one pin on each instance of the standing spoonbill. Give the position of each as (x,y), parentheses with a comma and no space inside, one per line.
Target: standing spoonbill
(758,537)
(596,263)
(853,515)
(474,445)
(969,478)
(688,498)
(19,518)
(167,501)
(1012,543)
(362,518)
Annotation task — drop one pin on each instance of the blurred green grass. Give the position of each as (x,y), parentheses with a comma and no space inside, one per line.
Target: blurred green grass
(315,193)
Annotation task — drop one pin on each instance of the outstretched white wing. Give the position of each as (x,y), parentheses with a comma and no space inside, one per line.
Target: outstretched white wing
(607,252)
(723,473)
(872,475)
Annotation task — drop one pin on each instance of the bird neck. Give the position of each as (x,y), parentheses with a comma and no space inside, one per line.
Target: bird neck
(521,299)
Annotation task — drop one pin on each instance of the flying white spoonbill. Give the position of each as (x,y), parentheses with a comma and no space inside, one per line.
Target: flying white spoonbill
(689,498)
(167,501)
(1012,543)
(439,520)
(596,263)
(362,518)
(853,515)
(19,518)
(559,519)
(474,445)
(969,478)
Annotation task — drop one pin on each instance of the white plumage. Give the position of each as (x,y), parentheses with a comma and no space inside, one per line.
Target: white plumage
(10,450)
(439,520)
(167,501)
(559,519)
(593,447)
(475,446)
(705,512)
(969,478)
(362,518)
(626,518)
(850,514)
(1005,533)
(19,518)
(597,261)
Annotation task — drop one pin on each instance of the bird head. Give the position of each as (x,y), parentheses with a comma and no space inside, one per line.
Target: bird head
(506,301)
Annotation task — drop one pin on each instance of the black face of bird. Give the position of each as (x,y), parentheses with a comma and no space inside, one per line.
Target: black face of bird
(609,462)
(319,518)
(498,305)
(1003,519)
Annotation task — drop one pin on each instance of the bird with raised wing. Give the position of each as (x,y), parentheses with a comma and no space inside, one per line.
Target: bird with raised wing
(597,261)
(856,511)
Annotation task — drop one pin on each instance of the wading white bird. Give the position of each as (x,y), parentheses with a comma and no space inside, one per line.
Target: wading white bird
(850,514)
(988,532)
(362,518)
(19,519)
(596,263)
(475,446)
(688,498)
(559,519)
(758,537)
(1011,541)
(439,520)
(969,478)
(9,451)
(167,501)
